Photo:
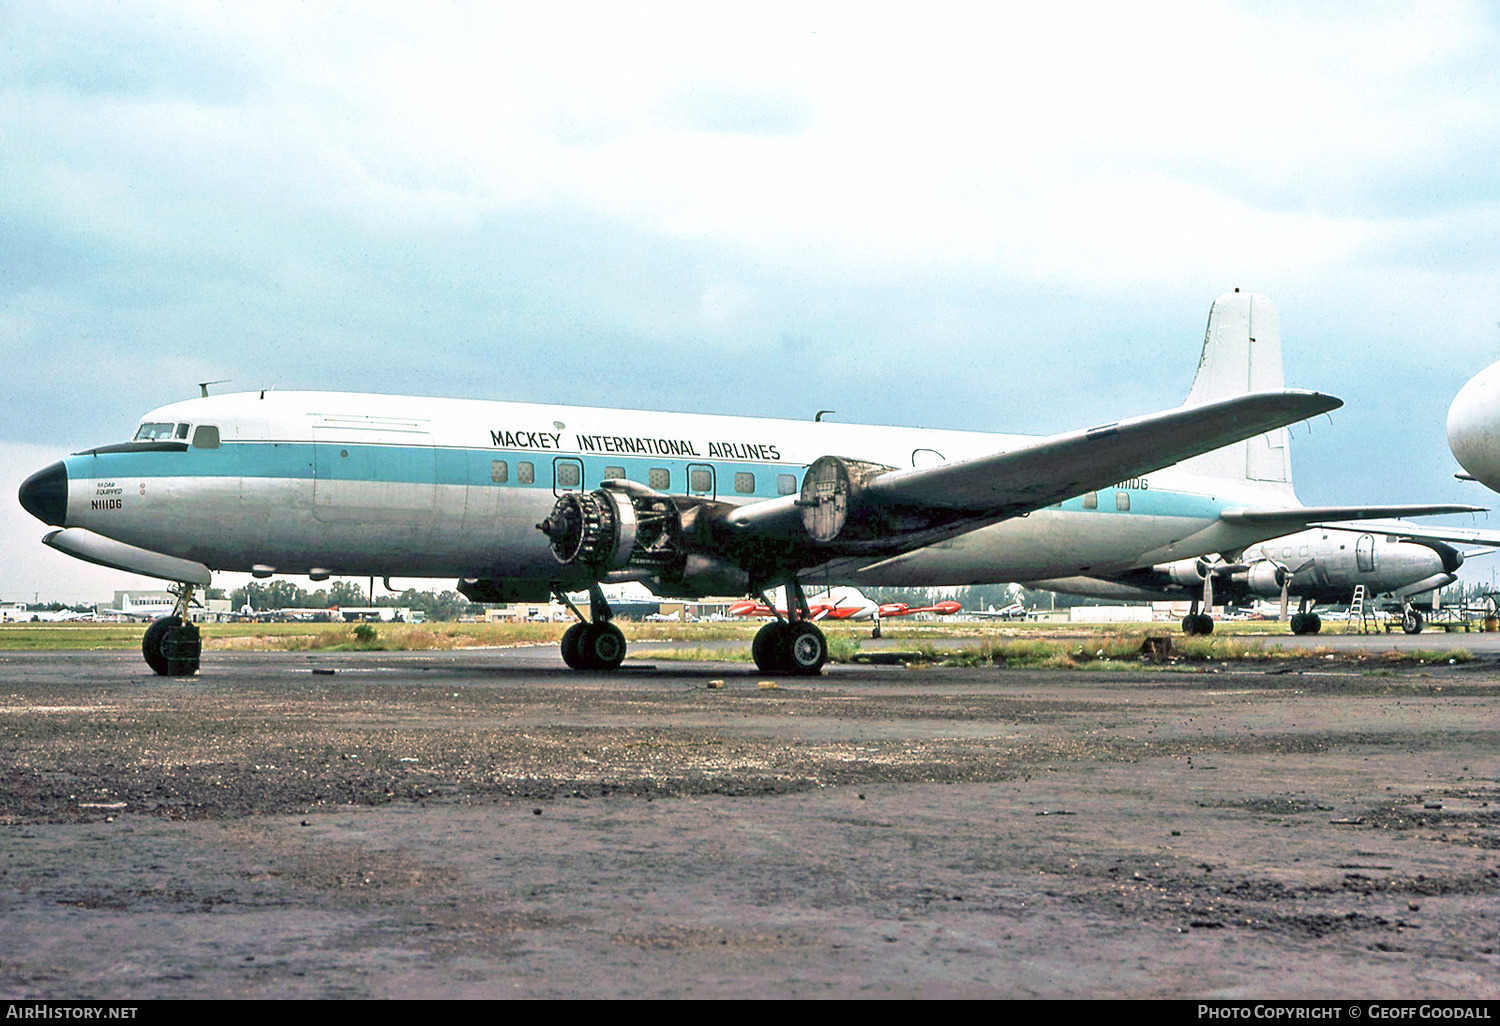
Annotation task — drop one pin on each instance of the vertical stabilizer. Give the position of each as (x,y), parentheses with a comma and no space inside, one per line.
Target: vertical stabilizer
(1242,353)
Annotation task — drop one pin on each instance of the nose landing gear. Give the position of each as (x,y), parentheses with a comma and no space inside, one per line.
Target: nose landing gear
(172,645)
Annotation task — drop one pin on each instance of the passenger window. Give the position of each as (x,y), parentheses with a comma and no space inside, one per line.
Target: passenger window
(744,484)
(659,478)
(1091,500)
(206,437)
(525,472)
(182,430)
(786,484)
(569,474)
(499,471)
(610,472)
(700,480)
(1122,501)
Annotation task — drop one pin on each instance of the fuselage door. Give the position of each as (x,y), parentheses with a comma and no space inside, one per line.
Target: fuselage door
(1364,554)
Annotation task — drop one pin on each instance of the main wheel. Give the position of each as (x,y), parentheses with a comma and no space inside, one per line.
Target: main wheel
(1197,623)
(769,649)
(601,647)
(1411,621)
(151,643)
(1299,623)
(1314,623)
(570,639)
(806,649)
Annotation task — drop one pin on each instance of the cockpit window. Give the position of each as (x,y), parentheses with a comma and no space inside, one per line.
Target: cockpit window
(206,436)
(182,430)
(154,432)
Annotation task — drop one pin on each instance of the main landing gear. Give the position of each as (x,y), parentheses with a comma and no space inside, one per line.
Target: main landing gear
(795,645)
(1304,621)
(172,645)
(595,644)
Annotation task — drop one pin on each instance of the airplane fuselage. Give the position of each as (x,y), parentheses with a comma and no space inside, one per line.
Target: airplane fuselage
(351,484)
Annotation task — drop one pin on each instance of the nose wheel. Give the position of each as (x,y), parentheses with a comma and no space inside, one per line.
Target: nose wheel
(172,645)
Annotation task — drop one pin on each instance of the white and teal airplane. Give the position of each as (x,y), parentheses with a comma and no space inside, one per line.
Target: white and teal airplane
(522,500)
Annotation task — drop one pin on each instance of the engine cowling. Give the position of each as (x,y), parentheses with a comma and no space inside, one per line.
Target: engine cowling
(1185,573)
(1265,578)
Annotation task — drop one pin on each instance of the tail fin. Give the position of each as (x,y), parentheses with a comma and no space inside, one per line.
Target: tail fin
(1241,354)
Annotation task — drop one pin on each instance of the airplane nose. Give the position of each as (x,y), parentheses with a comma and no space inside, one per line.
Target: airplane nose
(45,494)
(1474,426)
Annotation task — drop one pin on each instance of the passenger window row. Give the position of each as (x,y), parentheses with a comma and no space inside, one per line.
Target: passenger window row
(570,475)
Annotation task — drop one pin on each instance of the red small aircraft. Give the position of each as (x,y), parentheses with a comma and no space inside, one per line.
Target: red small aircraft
(840,604)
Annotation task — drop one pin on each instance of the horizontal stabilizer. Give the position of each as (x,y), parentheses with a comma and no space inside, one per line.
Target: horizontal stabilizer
(1300,517)
(84,544)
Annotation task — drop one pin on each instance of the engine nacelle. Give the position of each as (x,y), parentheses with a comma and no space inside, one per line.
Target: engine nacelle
(609,530)
(1185,573)
(1264,577)
(617,535)
(830,492)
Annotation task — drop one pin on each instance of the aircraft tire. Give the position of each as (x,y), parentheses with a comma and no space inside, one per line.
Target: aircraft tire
(570,640)
(805,649)
(151,644)
(601,647)
(1298,623)
(1411,622)
(1314,623)
(1197,623)
(171,647)
(768,647)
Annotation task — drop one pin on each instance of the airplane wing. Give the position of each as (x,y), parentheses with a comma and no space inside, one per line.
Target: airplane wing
(851,508)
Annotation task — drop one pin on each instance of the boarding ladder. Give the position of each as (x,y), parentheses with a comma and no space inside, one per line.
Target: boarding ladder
(1357,611)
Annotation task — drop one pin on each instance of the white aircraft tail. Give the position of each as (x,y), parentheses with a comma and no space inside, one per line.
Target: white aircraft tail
(1241,354)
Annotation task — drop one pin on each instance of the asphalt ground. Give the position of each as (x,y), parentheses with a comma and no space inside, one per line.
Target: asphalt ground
(487,824)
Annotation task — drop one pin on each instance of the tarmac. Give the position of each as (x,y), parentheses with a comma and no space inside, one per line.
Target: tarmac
(484,823)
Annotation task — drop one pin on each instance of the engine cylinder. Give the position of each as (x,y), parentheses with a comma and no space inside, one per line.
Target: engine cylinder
(607,530)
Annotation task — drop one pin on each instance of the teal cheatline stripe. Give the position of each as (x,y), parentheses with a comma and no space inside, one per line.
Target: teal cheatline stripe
(405,464)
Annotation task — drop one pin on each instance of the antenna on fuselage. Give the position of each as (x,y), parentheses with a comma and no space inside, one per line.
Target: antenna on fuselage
(203,385)
(819,418)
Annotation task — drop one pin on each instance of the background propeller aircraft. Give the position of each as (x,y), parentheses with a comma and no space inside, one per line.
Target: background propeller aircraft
(1323,565)
(839,604)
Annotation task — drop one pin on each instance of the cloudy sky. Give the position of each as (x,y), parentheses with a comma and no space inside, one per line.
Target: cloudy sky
(985,216)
